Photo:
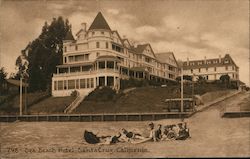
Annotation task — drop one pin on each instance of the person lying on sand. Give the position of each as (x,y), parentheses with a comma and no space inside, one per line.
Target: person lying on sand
(127,136)
(92,138)
(152,134)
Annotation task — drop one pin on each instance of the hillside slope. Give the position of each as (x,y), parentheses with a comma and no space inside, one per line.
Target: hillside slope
(146,99)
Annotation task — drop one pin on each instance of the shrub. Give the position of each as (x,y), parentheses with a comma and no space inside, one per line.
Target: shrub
(131,82)
(73,93)
(101,94)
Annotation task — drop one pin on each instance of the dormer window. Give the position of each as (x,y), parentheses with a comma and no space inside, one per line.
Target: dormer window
(226,61)
(93,33)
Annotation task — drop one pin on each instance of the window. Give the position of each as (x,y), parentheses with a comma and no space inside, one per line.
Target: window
(60,85)
(77,84)
(102,32)
(226,67)
(65,49)
(93,33)
(55,83)
(206,69)
(110,64)
(71,84)
(71,58)
(107,45)
(97,54)
(76,47)
(170,68)
(215,69)
(92,82)
(75,69)
(192,71)
(147,59)
(65,59)
(101,64)
(86,57)
(117,48)
(97,44)
(82,83)
(65,84)
(79,58)
(232,67)
(88,82)
(199,70)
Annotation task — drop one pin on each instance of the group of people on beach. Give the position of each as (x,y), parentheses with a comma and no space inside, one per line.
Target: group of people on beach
(157,133)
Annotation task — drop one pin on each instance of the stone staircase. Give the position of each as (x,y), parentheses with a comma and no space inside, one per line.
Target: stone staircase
(80,97)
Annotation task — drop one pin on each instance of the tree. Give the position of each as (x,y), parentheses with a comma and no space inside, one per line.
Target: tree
(44,53)
(201,80)
(225,79)
(3,76)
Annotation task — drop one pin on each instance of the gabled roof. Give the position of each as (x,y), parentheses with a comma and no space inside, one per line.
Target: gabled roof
(209,63)
(99,23)
(140,48)
(126,40)
(165,55)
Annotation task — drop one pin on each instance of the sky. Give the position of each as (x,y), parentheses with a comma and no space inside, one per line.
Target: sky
(190,28)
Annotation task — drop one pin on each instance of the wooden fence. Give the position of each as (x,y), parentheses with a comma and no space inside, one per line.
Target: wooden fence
(94,117)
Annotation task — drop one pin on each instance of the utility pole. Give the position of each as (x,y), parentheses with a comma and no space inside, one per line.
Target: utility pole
(25,104)
(193,85)
(21,100)
(182,109)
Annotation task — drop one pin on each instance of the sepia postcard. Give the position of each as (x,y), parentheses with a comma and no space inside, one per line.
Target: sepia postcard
(124,79)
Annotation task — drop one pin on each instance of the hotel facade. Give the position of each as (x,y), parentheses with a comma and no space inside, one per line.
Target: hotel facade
(100,57)
(212,69)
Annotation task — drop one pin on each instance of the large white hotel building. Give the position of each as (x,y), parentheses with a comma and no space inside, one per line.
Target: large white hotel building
(212,69)
(100,57)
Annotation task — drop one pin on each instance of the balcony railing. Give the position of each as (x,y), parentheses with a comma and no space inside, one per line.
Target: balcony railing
(90,72)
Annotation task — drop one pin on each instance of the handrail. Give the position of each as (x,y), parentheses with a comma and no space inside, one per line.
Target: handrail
(73,103)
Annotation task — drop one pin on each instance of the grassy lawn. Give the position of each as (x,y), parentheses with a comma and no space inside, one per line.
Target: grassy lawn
(145,99)
(12,106)
(51,105)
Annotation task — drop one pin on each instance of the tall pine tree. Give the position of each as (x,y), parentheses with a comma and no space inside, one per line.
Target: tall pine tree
(45,52)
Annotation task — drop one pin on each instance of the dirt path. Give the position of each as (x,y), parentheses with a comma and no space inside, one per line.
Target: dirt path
(211,136)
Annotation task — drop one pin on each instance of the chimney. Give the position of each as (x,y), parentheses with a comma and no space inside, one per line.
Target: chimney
(219,58)
(84,26)
(187,61)
(205,60)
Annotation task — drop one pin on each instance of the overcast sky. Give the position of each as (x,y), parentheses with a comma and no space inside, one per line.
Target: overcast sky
(189,28)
